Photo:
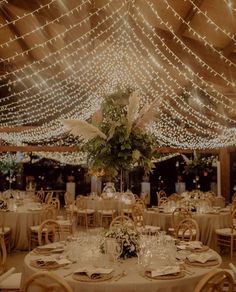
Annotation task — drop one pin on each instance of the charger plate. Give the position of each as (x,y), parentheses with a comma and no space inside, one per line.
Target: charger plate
(165,277)
(86,278)
(206,264)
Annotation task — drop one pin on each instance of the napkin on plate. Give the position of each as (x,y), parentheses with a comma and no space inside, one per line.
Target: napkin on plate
(203,257)
(190,245)
(45,261)
(92,272)
(167,270)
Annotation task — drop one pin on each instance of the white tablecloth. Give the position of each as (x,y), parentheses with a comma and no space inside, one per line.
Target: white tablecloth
(133,281)
(207,223)
(19,221)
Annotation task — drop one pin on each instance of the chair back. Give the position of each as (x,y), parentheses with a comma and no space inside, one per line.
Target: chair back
(122,221)
(48,197)
(3,252)
(178,215)
(55,203)
(187,230)
(81,203)
(47,282)
(214,281)
(40,196)
(160,195)
(48,232)
(163,201)
(49,212)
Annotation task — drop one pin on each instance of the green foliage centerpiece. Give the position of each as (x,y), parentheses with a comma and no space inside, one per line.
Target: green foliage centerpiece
(116,139)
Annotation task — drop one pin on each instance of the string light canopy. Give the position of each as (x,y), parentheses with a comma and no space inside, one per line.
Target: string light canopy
(59,58)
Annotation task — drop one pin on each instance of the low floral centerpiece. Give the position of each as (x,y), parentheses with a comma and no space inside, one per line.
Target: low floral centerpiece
(130,238)
(116,138)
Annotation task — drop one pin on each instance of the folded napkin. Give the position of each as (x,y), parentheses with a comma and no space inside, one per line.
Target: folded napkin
(52,261)
(167,270)
(190,245)
(93,273)
(202,257)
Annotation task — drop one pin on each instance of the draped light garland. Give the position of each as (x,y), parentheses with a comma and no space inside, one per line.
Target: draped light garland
(121,48)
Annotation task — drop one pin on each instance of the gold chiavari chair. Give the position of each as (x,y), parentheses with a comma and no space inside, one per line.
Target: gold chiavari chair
(5,231)
(85,216)
(187,230)
(216,281)
(226,237)
(46,281)
(9,281)
(48,197)
(48,232)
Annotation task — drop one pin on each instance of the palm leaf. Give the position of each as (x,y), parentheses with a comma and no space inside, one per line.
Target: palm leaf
(132,111)
(83,129)
(97,118)
(147,114)
(186,159)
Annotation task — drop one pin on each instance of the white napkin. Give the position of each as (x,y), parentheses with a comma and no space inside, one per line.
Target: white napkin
(203,257)
(167,270)
(6,274)
(190,245)
(51,260)
(195,244)
(93,272)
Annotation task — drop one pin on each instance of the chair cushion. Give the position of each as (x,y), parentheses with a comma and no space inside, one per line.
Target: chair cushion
(64,222)
(106,212)
(6,229)
(187,232)
(86,211)
(34,228)
(225,232)
(11,282)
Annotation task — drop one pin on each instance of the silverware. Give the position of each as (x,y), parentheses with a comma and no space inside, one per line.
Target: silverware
(119,276)
(68,274)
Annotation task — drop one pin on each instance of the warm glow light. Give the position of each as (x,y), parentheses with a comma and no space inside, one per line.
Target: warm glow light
(94,51)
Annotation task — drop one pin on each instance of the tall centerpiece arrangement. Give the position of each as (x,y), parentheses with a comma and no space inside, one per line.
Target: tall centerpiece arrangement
(9,166)
(116,139)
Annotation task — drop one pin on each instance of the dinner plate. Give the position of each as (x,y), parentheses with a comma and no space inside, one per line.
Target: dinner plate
(86,278)
(165,277)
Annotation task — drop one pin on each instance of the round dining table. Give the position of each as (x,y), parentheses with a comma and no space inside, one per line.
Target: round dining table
(127,276)
(207,222)
(20,219)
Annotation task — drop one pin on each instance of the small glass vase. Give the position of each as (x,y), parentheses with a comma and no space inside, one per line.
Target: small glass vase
(109,190)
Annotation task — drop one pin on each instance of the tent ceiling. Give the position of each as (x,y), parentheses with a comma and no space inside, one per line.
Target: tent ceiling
(60,57)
